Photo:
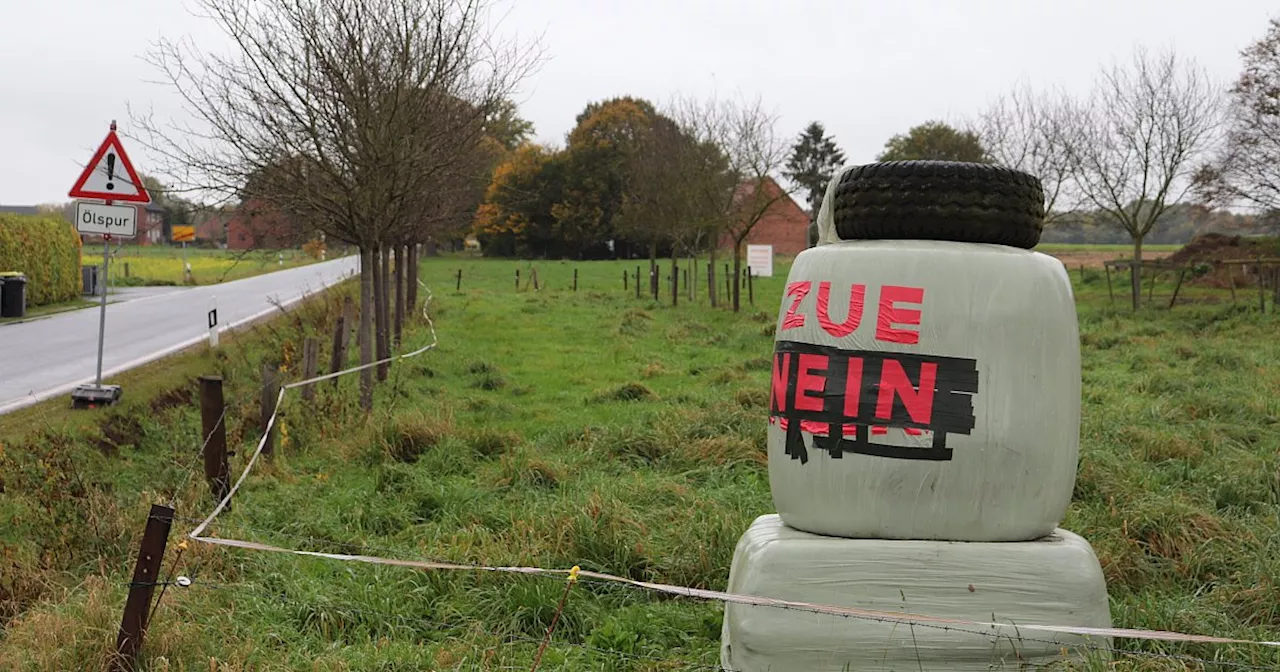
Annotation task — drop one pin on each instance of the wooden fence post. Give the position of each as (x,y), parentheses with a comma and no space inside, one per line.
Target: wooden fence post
(213,429)
(146,573)
(1110,292)
(1181,275)
(310,364)
(270,391)
(637,282)
(728,284)
(751,288)
(458,287)
(517,279)
(338,358)
(711,283)
(624,279)
(1262,299)
(675,282)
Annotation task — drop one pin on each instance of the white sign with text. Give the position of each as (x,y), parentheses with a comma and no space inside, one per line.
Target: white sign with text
(98,219)
(760,260)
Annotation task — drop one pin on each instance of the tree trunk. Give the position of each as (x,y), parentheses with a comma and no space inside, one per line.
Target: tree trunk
(411,304)
(366,324)
(402,259)
(1136,274)
(737,273)
(379,303)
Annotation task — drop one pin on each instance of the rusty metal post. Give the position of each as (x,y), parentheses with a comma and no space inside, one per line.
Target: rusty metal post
(146,573)
(214,434)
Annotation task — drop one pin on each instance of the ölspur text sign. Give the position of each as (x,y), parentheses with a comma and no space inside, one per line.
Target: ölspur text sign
(118,221)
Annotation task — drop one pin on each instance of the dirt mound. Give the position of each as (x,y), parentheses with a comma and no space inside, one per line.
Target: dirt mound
(1203,250)
(1209,247)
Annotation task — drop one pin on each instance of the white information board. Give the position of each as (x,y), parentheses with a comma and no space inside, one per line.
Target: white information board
(121,221)
(760,260)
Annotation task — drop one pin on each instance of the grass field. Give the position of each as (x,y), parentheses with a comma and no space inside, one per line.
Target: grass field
(593,428)
(162,264)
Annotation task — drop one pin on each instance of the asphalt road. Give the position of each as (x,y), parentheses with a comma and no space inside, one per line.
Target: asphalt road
(49,357)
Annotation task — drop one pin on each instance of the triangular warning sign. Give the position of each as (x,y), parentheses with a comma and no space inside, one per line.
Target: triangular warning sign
(110,175)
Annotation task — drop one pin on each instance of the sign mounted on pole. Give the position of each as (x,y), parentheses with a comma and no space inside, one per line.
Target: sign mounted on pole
(760,260)
(113,220)
(110,175)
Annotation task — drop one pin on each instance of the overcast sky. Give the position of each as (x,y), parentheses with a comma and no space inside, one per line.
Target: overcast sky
(865,68)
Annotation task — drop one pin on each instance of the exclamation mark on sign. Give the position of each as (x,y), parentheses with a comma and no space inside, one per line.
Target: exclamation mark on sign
(111,171)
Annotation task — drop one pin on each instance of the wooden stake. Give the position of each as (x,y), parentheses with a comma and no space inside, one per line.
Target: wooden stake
(637,282)
(1110,292)
(1181,274)
(517,279)
(458,286)
(1262,299)
(751,289)
(349,319)
(146,573)
(339,357)
(310,363)
(213,429)
(270,391)
(575,279)
(624,279)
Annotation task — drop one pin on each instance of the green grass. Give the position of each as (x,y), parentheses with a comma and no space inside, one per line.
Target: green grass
(592,428)
(162,264)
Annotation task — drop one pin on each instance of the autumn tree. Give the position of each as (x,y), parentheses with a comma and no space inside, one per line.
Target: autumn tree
(1246,171)
(1027,130)
(516,215)
(1134,143)
(600,149)
(814,160)
(361,98)
(935,141)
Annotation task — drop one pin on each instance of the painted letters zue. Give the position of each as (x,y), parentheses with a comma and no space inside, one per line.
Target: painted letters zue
(891,316)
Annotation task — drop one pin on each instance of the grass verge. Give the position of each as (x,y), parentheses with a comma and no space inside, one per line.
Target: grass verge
(555,428)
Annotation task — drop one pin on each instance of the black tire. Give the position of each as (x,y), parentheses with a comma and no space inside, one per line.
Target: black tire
(940,200)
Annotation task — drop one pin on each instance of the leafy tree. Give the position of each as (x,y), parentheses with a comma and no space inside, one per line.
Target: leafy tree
(814,160)
(935,140)
(516,215)
(600,150)
(1247,169)
(505,126)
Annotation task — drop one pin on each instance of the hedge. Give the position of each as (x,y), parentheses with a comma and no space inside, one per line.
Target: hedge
(46,249)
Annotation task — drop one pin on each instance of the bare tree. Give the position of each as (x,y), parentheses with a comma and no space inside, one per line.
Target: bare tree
(1135,142)
(351,104)
(1246,171)
(745,134)
(1026,131)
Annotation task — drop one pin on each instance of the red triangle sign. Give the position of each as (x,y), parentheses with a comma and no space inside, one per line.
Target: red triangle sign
(110,175)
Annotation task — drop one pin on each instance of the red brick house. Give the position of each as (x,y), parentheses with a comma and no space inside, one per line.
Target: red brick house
(257,225)
(785,225)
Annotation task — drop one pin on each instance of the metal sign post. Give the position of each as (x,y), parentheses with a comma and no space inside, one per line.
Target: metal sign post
(109,177)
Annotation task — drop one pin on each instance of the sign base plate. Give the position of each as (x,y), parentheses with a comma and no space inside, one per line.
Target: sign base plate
(92,396)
